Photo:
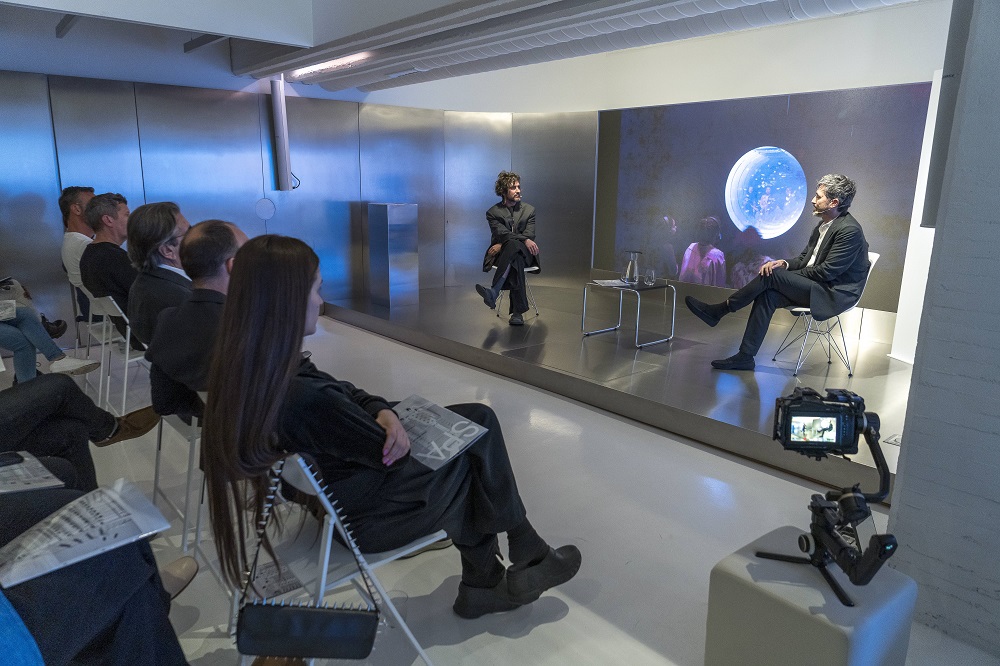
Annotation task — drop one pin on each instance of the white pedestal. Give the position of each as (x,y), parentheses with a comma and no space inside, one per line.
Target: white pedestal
(768,612)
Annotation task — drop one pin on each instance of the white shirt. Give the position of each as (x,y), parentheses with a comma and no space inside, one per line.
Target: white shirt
(74,244)
(179,271)
(823,228)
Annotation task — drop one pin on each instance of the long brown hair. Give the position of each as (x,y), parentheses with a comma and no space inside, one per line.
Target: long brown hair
(256,355)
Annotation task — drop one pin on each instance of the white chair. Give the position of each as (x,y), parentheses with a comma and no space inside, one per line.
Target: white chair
(191,433)
(531,296)
(822,331)
(334,566)
(107,307)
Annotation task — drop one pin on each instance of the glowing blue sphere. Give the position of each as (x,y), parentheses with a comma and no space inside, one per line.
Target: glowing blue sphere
(766,189)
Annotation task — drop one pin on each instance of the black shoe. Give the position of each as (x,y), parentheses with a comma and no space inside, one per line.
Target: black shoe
(707,312)
(738,361)
(558,566)
(516,319)
(473,602)
(55,329)
(489,296)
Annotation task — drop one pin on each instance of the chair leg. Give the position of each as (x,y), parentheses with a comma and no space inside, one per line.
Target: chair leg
(192,448)
(156,463)
(499,301)
(805,340)
(785,342)
(534,303)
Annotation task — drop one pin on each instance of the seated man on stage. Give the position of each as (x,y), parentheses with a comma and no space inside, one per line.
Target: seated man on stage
(828,277)
(512,246)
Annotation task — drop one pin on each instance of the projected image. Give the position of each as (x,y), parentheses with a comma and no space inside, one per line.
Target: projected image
(710,191)
(767,190)
(814,429)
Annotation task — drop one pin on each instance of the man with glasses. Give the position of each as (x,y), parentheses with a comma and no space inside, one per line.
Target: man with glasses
(155,232)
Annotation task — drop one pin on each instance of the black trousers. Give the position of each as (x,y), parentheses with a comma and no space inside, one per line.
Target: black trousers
(782,288)
(473,498)
(51,416)
(515,255)
(110,609)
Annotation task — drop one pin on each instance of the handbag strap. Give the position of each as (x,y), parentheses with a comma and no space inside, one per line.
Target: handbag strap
(269,501)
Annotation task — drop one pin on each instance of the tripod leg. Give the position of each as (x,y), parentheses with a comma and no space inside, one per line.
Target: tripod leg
(835,586)
(794,559)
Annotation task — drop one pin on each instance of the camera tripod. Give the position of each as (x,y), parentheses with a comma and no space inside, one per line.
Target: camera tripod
(840,511)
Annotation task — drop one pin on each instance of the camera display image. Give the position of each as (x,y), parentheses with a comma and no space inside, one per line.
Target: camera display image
(813,429)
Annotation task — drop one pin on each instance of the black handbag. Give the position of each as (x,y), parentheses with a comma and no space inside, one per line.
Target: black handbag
(300,630)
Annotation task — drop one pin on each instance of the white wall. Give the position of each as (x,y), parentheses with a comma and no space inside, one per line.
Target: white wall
(284,22)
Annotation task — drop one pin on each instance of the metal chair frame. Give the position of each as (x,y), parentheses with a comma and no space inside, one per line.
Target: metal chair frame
(822,331)
(531,296)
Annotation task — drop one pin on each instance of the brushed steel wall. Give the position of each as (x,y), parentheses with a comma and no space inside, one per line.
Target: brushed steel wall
(555,155)
(97,135)
(476,148)
(30,223)
(402,161)
(202,149)
(324,210)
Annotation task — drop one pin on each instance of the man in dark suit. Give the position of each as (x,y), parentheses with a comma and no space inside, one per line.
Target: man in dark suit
(828,277)
(512,246)
(181,348)
(155,232)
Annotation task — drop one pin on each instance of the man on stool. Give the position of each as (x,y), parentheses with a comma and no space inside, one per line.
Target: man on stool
(512,246)
(828,277)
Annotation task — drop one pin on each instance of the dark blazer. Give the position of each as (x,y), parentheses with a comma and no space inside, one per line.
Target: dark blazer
(517,223)
(151,293)
(181,352)
(841,267)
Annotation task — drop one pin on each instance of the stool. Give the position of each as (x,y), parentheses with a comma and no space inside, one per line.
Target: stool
(768,612)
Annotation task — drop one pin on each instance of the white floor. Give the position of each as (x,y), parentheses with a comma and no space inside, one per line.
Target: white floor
(651,513)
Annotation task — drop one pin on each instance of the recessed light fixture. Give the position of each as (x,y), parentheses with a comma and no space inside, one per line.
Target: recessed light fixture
(330,65)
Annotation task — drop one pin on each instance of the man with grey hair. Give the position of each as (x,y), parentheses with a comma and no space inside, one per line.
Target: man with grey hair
(155,232)
(180,351)
(828,277)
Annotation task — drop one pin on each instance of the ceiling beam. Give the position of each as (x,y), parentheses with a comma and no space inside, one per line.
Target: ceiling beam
(199,42)
(65,25)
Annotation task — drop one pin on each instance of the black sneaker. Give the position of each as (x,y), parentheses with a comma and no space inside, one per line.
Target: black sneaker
(558,566)
(473,602)
(516,319)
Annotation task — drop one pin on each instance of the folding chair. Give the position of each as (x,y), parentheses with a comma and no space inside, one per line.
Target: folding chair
(107,307)
(192,433)
(334,565)
(822,331)
(531,296)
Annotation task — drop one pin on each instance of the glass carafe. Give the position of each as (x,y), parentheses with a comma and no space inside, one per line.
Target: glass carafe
(631,274)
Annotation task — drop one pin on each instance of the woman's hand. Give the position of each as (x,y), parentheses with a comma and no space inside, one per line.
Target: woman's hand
(397,442)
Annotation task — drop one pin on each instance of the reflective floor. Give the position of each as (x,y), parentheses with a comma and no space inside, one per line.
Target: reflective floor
(652,513)
(669,385)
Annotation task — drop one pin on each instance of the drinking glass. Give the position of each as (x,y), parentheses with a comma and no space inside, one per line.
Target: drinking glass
(649,278)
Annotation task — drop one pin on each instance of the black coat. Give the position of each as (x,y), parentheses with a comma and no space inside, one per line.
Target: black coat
(517,223)
(841,267)
(152,292)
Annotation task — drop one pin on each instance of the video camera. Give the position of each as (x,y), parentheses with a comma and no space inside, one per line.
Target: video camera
(817,426)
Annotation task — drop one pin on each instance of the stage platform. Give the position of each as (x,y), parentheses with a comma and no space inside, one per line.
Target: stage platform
(670,385)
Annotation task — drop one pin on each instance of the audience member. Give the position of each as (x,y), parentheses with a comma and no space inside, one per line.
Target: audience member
(51,416)
(703,262)
(104,266)
(828,277)
(155,232)
(512,247)
(181,349)
(24,335)
(747,259)
(77,236)
(109,609)
(265,400)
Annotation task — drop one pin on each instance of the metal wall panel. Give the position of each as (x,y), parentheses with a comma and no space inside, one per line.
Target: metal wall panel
(402,161)
(202,149)
(476,149)
(555,155)
(97,135)
(30,223)
(324,210)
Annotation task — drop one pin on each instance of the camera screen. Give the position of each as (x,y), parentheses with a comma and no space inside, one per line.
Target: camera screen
(814,429)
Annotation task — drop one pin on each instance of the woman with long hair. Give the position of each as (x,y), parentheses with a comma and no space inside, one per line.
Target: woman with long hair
(265,401)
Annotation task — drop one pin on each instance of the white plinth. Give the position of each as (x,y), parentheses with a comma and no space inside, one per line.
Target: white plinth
(768,612)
